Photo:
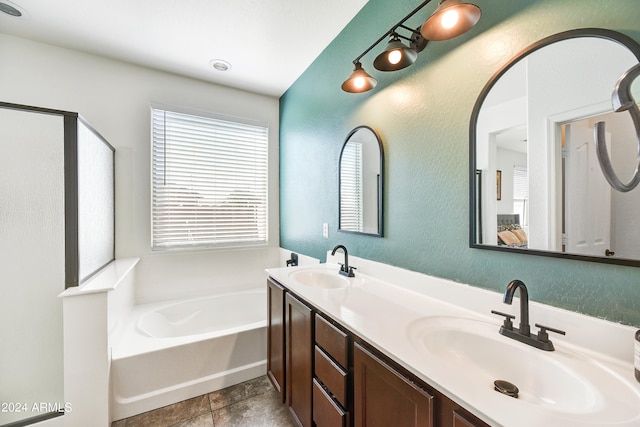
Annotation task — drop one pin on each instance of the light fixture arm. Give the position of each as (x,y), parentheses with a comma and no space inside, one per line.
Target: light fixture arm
(416,41)
(400,36)
(411,30)
(392,30)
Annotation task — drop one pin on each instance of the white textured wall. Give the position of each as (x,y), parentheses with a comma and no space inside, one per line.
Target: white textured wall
(115,98)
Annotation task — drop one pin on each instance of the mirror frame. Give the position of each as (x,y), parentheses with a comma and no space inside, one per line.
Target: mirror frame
(380,232)
(474,190)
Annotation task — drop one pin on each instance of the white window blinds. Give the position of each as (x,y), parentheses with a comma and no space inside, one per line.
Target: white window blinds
(209,182)
(351,187)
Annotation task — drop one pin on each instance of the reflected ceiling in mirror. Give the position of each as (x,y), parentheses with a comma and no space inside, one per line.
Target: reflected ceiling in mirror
(360,183)
(535,183)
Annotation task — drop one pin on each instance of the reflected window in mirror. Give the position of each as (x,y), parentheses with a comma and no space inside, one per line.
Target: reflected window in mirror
(534,122)
(360,183)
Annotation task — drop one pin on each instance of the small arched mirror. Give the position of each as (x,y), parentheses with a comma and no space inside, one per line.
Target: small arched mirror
(360,183)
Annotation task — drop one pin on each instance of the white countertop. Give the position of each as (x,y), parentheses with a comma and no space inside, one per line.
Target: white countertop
(105,280)
(385,314)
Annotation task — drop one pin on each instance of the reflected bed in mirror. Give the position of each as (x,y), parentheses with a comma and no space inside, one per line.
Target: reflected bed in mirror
(534,122)
(360,183)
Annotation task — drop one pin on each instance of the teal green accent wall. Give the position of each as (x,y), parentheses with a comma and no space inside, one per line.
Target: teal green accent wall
(422,114)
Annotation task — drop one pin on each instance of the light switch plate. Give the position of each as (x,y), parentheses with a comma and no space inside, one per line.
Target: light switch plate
(325,230)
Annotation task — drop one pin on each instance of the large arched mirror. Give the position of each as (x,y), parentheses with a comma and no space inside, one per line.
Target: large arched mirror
(536,185)
(360,183)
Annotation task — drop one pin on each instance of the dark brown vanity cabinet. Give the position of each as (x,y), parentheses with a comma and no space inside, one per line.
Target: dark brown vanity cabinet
(299,360)
(331,378)
(275,337)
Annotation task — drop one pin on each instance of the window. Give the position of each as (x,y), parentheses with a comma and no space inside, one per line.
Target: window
(521,194)
(351,201)
(209,182)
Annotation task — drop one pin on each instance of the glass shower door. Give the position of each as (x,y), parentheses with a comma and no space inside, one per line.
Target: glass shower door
(32,261)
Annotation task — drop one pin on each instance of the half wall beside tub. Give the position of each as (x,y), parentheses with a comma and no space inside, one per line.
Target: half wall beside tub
(93,320)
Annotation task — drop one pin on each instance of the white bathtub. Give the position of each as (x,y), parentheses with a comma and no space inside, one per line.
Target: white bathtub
(172,351)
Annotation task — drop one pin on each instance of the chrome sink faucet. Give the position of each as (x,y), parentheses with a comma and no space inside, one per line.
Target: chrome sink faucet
(345,270)
(523,332)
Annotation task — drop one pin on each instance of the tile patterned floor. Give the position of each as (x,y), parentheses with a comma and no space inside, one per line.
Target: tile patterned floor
(253,403)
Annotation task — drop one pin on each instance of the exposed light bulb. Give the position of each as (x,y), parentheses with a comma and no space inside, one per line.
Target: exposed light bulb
(358,82)
(394,56)
(450,19)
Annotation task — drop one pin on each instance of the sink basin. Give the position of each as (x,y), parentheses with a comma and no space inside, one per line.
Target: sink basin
(561,381)
(320,279)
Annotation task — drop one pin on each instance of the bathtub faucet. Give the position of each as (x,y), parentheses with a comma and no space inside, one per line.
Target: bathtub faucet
(345,270)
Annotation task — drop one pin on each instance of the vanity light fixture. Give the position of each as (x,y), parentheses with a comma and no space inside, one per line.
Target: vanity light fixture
(396,56)
(359,81)
(451,19)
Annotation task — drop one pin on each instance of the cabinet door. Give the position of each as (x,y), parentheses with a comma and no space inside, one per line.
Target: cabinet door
(460,420)
(275,337)
(383,398)
(299,360)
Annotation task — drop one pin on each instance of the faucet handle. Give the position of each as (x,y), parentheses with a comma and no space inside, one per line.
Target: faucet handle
(349,273)
(507,324)
(542,333)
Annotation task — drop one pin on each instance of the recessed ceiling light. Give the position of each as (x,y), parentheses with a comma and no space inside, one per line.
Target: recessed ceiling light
(12,9)
(220,64)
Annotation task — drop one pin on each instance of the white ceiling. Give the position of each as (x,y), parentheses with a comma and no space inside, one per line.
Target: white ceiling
(269,43)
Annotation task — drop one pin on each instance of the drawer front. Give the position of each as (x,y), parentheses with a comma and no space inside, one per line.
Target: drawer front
(326,413)
(333,341)
(331,375)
